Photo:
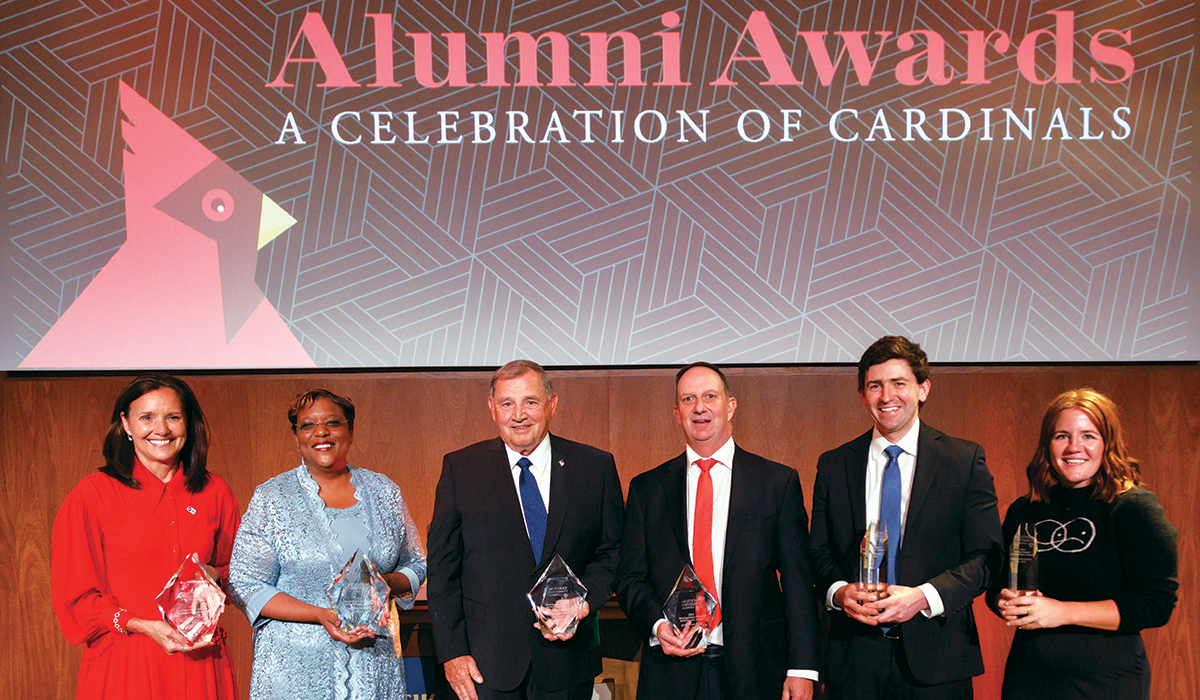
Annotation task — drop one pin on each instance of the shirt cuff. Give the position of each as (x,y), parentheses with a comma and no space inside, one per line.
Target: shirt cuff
(406,602)
(810,675)
(654,632)
(256,603)
(830,593)
(936,607)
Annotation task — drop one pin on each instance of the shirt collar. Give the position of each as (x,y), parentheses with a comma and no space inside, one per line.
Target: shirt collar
(908,443)
(152,487)
(540,457)
(723,455)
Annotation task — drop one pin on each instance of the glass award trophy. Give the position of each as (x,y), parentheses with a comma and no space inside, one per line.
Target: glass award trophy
(1022,560)
(690,609)
(872,569)
(192,602)
(557,598)
(359,595)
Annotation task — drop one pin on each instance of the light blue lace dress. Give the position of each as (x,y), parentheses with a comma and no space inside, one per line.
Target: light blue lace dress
(290,542)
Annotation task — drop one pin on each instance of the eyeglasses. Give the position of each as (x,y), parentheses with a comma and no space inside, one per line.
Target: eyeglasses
(330,424)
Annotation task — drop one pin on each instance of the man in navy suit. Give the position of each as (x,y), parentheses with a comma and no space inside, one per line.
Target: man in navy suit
(919,641)
(739,521)
(504,507)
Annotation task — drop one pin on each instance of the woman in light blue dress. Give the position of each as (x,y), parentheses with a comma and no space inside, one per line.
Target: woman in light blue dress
(299,531)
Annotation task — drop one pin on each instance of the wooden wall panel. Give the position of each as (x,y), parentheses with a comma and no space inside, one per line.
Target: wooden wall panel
(407,421)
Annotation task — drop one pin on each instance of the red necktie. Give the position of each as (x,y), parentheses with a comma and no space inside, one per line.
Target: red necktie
(702,555)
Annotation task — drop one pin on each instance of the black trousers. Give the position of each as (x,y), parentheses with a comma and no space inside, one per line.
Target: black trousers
(712,679)
(528,691)
(881,672)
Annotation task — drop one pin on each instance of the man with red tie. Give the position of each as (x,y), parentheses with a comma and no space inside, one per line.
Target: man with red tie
(739,521)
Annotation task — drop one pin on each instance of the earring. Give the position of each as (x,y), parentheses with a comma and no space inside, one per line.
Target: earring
(129,437)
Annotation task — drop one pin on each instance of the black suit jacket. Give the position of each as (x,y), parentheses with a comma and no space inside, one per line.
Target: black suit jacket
(951,540)
(767,605)
(481,566)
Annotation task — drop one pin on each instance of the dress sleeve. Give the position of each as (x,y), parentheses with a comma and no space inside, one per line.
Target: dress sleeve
(1149,553)
(226,531)
(412,555)
(254,564)
(79,588)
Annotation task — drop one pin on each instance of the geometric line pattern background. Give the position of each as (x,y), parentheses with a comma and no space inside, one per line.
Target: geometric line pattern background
(618,251)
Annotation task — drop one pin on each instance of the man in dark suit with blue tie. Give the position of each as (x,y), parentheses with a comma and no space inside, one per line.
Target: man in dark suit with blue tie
(935,496)
(503,508)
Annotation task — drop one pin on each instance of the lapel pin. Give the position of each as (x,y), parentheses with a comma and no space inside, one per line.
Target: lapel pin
(191,510)
(561,463)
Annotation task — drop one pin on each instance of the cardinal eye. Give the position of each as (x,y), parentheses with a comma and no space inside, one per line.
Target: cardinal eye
(217,205)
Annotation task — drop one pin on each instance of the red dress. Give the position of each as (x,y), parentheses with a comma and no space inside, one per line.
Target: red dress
(115,547)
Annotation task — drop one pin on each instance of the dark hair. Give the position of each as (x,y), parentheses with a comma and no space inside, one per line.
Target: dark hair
(893,347)
(706,365)
(1118,470)
(307,398)
(118,448)
(517,368)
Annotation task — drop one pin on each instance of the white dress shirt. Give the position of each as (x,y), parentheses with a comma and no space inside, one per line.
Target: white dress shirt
(876,464)
(539,469)
(722,474)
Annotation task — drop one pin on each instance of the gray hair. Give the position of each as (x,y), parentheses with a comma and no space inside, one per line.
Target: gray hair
(515,369)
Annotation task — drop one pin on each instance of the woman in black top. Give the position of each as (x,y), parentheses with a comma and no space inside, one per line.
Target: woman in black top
(1108,562)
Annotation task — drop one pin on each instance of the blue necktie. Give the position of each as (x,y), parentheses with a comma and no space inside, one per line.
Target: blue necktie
(535,509)
(889,508)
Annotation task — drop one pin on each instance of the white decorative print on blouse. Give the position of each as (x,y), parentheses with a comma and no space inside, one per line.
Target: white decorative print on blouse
(1071,537)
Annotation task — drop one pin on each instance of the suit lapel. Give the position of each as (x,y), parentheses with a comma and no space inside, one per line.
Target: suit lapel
(856,479)
(561,476)
(740,502)
(676,504)
(926,469)
(499,474)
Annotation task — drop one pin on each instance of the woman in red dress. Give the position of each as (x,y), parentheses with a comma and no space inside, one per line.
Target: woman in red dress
(122,533)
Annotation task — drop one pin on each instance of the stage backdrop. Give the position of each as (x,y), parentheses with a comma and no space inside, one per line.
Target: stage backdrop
(295,183)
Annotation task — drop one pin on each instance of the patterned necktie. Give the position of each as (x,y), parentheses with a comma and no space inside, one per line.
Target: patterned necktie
(702,554)
(535,509)
(889,508)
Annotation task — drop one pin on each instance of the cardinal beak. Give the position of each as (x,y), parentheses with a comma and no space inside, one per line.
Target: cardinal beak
(274,221)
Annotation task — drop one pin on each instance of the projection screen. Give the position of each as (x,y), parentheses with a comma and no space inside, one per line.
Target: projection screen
(365,184)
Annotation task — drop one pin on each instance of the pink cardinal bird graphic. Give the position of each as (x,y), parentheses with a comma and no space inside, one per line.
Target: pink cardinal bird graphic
(180,292)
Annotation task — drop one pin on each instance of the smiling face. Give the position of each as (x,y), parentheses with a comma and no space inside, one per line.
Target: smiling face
(158,426)
(1076,449)
(323,436)
(522,411)
(893,397)
(704,410)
